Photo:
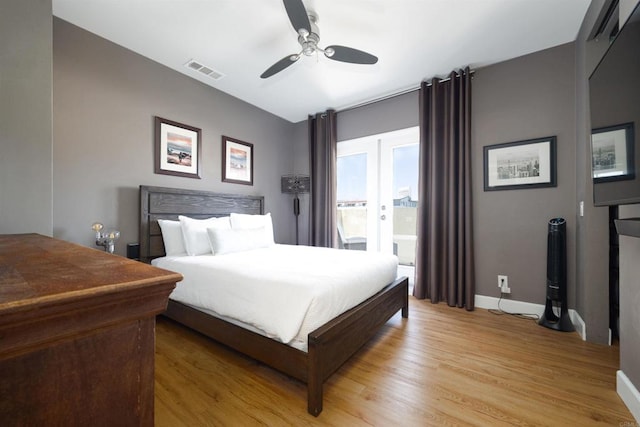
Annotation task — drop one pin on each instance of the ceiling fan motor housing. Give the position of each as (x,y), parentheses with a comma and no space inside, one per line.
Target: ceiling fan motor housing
(310,42)
(305,24)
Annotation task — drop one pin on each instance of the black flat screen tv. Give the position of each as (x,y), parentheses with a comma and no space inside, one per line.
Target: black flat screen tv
(614,90)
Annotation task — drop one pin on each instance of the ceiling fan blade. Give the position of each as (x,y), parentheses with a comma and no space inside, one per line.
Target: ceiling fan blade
(349,54)
(297,15)
(280,65)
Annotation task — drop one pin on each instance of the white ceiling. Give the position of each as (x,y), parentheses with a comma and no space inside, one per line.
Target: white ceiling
(414,40)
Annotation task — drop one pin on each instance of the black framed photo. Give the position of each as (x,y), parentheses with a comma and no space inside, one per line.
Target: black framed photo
(612,153)
(520,164)
(177,148)
(237,161)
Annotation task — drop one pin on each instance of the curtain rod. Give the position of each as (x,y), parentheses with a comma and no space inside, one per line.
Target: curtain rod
(393,95)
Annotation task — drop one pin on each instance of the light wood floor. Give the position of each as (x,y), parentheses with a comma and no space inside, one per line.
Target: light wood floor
(442,366)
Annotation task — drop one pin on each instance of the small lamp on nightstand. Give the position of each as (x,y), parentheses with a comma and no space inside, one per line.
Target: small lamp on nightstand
(106,239)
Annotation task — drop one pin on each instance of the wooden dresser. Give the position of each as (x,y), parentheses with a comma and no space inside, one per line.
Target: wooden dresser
(77,334)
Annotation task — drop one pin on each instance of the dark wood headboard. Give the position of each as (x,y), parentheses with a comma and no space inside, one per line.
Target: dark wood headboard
(167,203)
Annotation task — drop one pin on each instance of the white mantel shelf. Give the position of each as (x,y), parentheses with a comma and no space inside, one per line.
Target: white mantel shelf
(628,227)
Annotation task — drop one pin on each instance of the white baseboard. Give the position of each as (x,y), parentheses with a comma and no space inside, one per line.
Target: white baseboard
(509,305)
(629,394)
(579,324)
(512,306)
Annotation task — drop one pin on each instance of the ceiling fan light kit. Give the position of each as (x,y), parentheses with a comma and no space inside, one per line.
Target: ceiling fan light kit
(305,25)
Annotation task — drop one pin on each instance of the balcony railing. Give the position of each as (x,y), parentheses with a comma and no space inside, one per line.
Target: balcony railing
(352,225)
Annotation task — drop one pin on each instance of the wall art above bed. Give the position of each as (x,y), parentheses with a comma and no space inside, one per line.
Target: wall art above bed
(520,165)
(177,148)
(237,161)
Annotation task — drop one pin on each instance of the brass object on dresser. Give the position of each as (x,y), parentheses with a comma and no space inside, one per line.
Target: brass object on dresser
(77,334)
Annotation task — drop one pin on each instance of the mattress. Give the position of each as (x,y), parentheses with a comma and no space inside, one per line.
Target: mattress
(283,292)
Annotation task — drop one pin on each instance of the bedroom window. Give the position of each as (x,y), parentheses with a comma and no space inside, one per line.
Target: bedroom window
(377,179)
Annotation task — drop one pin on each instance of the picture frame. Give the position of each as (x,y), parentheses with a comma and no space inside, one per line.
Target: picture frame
(520,165)
(177,148)
(612,152)
(237,161)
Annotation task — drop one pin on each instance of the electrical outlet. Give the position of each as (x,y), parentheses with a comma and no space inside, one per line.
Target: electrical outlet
(503,284)
(502,280)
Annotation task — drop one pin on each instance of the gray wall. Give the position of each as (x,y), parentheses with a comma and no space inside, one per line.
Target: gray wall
(25,117)
(528,97)
(592,232)
(398,112)
(105,100)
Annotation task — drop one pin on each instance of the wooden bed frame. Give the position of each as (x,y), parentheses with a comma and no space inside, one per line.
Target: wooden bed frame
(329,346)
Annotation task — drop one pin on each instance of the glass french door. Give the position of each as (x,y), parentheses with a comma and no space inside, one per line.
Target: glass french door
(377,179)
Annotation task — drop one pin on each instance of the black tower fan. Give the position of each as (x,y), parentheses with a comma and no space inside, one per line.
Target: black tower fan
(557,278)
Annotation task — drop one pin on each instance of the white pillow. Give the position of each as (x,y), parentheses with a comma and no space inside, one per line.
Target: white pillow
(225,241)
(172,237)
(246,221)
(194,232)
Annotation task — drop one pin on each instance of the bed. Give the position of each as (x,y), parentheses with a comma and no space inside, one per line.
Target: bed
(327,347)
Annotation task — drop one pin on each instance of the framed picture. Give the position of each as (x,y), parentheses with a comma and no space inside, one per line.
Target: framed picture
(520,165)
(177,148)
(237,161)
(612,153)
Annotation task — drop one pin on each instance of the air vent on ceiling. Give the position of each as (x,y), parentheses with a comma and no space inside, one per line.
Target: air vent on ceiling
(207,71)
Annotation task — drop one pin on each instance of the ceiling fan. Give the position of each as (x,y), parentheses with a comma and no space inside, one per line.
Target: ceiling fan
(309,36)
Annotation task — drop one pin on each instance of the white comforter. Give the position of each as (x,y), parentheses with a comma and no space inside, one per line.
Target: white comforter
(283,290)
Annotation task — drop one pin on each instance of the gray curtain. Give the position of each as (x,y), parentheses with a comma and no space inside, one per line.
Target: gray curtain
(444,256)
(323,153)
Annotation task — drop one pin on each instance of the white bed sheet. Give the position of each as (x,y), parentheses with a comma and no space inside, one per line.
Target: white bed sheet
(283,291)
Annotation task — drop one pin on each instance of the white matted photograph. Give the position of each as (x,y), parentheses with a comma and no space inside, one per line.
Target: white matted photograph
(520,164)
(237,161)
(177,148)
